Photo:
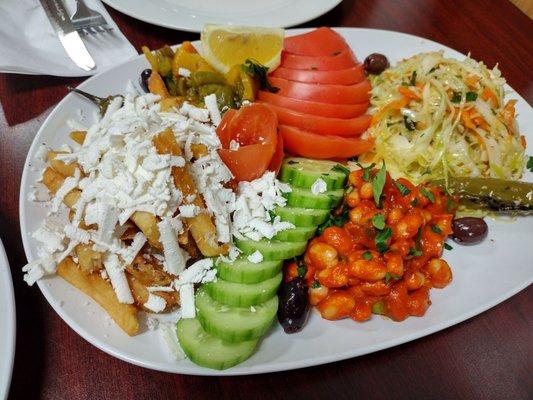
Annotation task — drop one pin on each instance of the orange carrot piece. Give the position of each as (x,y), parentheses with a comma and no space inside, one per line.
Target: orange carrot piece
(406,92)
(490,96)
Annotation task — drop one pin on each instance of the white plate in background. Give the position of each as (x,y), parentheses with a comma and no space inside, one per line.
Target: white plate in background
(191,15)
(484,275)
(7,324)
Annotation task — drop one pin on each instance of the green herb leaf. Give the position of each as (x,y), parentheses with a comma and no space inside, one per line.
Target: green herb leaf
(378,182)
(367,255)
(471,96)
(337,219)
(377,308)
(404,191)
(415,252)
(409,123)
(529,164)
(378,221)
(414,202)
(315,285)
(259,71)
(341,168)
(366,171)
(456,98)
(381,240)
(427,194)
(450,205)
(447,246)
(412,81)
(389,276)
(436,229)
(301,270)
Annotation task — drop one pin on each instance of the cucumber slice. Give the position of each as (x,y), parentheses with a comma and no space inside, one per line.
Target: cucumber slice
(302,216)
(306,199)
(271,249)
(235,324)
(242,294)
(243,271)
(210,351)
(303,172)
(298,234)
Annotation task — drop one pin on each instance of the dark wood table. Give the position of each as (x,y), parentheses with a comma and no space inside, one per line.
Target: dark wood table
(487,357)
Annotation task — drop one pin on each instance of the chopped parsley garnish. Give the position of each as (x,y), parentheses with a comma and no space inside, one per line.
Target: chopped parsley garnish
(415,252)
(402,188)
(447,246)
(341,168)
(377,308)
(471,96)
(378,182)
(436,229)
(259,71)
(378,221)
(366,171)
(315,285)
(367,255)
(414,202)
(412,81)
(427,194)
(456,98)
(337,219)
(301,270)
(381,240)
(389,276)
(450,205)
(529,164)
(409,123)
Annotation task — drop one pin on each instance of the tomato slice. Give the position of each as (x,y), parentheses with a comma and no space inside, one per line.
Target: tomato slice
(323,125)
(348,76)
(319,42)
(223,131)
(277,158)
(334,94)
(315,108)
(254,128)
(345,59)
(312,145)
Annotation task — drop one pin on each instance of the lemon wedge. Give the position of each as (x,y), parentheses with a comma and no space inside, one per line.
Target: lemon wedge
(227,45)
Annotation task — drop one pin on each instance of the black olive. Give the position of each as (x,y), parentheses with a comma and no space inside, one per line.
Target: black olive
(293,305)
(469,230)
(143,79)
(376,63)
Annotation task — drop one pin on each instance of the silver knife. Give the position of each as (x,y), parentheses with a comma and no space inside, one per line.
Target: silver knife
(67,34)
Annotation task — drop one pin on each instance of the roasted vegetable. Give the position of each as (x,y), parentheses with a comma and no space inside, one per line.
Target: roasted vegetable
(491,194)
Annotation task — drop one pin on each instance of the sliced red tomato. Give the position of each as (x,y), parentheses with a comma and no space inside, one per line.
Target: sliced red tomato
(312,145)
(223,130)
(323,125)
(344,59)
(277,158)
(348,76)
(315,108)
(319,42)
(334,94)
(254,128)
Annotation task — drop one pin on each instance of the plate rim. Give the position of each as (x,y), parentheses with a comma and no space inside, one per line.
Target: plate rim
(290,365)
(111,3)
(12,324)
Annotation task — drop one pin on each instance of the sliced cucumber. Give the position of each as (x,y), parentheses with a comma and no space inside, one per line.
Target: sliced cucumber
(303,172)
(272,249)
(210,351)
(243,271)
(242,294)
(235,324)
(302,216)
(306,199)
(298,234)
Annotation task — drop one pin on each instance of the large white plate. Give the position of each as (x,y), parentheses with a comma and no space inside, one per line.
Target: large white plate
(191,15)
(7,324)
(484,275)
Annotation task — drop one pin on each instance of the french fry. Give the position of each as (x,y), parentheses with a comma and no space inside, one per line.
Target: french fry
(78,136)
(147,223)
(198,150)
(60,166)
(202,228)
(148,272)
(169,102)
(89,260)
(53,180)
(157,86)
(101,291)
(140,295)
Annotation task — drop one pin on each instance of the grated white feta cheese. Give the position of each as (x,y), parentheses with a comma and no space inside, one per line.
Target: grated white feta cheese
(256,257)
(211,104)
(234,145)
(118,279)
(155,303)
(129,254)
(184,72)
(170,338)
(175,259)
(319,186)
(69,184)
(189,210)
(188,309)
(199,272)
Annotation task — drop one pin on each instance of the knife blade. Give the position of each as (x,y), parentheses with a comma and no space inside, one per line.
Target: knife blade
(67,34)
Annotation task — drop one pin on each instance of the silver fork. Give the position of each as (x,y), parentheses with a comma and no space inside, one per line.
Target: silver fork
(88,21)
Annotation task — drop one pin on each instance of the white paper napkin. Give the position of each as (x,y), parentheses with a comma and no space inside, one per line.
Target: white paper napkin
(29,45)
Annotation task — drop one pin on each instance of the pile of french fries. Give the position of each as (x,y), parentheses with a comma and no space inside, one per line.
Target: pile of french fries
(198,239)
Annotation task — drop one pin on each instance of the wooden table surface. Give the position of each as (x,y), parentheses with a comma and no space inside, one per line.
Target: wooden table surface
(487,357)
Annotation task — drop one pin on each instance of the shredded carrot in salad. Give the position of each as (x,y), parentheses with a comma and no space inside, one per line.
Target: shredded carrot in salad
(435,117)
